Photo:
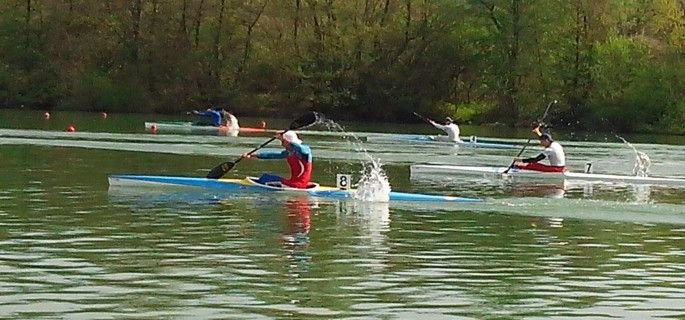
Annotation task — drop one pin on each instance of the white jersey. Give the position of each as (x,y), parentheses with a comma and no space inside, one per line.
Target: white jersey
(555,154)
(451,129)
(232,124)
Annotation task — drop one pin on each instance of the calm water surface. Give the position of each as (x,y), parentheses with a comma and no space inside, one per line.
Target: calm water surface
(71,248)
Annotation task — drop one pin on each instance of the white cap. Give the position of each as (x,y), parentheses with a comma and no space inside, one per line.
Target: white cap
(291,137)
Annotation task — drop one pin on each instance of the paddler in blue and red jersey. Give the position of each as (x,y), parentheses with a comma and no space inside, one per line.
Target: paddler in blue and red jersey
(212,117)
(298,156)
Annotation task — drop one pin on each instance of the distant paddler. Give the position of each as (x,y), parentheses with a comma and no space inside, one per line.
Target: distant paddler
(211,117)
(451,128)
(553,152)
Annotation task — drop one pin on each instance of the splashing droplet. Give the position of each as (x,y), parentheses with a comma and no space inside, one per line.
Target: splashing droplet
(642,161)
(373,186)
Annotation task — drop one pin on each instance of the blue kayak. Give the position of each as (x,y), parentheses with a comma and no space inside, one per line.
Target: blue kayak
(419,138)
(250,184)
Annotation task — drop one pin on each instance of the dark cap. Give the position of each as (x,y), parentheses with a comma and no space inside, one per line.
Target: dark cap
(546,136)
(449,120)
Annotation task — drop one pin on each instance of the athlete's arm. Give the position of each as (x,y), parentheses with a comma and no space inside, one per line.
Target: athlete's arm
(272,154)
(534,159)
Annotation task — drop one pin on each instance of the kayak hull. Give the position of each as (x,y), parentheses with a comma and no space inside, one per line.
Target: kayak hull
(498,172)
(249,184)
(180,126)
(417,138)
(188,127)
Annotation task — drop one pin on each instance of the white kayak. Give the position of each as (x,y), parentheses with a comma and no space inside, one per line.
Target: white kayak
(186,126)
(189,127)
(498,172)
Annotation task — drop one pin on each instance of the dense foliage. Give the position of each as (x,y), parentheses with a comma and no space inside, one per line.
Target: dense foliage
(618,64)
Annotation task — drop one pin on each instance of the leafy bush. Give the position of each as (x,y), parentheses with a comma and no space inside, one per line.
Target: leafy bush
(96,91)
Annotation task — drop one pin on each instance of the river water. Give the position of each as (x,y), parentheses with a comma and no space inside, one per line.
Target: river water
(71,248)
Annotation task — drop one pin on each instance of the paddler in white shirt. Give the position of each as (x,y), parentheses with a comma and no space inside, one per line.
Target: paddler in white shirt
(553,152)
(451,128)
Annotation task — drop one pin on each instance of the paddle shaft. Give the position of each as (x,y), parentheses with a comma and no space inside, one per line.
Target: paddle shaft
(429,121)
(527,142)
(260,146)
(422,117)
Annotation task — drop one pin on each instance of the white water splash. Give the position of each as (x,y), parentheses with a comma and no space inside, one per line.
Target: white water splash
(373,186)
(642,161)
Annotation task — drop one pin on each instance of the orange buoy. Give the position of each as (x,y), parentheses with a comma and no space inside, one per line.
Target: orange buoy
(71,128)
(103,114)
(263,124)
(46,115)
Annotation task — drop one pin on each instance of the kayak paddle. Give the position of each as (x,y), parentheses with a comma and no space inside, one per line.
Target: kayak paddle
(421,117)
(304,121)
(527,142)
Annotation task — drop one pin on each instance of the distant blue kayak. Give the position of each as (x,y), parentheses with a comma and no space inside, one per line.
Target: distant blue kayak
(419,138)
(250,184)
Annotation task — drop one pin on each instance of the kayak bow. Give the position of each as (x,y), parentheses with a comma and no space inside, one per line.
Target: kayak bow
(189,127)
(250,184)
(181,126)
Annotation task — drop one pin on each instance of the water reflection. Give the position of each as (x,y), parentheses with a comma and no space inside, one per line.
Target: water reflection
(642,193)
(555,191)
(296,234)
(373,222)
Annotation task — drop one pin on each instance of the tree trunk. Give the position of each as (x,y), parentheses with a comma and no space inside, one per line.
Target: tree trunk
(27,18)
(248,37)
(184,10)
(296,25)
(198,19)
(151,70)
(512,86)
(135,9)
(218,60)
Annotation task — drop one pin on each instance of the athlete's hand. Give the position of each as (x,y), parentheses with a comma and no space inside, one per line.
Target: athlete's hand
(537,131)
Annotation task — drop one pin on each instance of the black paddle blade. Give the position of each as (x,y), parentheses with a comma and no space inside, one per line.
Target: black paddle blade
(306,120)
(220,170)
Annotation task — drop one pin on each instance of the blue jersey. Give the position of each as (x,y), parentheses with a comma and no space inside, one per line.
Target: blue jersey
(215,116)
(301,151)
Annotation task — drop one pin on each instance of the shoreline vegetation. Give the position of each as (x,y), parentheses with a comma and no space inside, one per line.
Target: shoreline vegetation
(613,65)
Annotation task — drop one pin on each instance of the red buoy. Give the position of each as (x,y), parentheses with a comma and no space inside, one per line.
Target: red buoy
(46,115)
(71,128)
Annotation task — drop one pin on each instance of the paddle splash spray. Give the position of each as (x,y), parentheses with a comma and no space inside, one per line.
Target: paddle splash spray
(642,161)
(373,186)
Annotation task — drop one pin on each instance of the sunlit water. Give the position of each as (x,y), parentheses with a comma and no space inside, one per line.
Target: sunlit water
(71,248)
